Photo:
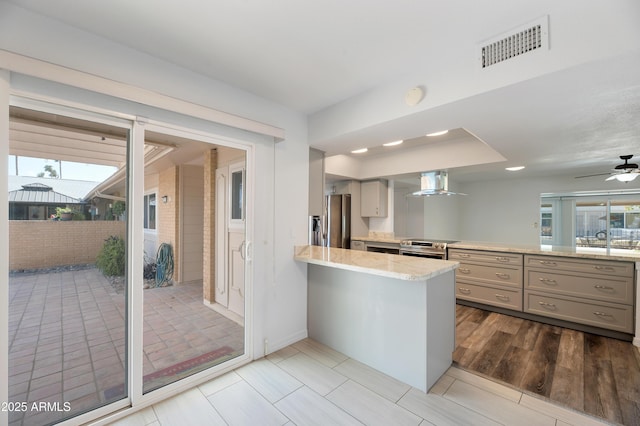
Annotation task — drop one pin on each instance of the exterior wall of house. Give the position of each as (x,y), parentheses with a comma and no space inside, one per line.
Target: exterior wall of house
(191,222)
(46,244)
(169,213)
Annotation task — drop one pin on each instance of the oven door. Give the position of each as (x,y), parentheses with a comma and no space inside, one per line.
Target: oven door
(423,253)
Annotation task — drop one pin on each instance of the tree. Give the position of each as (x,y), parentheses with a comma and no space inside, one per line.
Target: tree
(48,168)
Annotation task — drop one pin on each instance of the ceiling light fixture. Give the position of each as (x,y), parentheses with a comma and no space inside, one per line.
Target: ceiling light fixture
(359,151)
(443,132)
(626,177)
(394,143)
(515,168)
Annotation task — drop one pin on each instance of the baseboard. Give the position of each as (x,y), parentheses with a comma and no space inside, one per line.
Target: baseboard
(274,346)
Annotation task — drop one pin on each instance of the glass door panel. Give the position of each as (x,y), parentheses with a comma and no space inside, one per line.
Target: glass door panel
(185,329)
(67,243)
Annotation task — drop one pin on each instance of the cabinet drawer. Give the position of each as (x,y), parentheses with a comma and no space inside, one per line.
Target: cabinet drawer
(605,267)
(485,257)
(610,289)
(490,274)
(505,298)
(604,315)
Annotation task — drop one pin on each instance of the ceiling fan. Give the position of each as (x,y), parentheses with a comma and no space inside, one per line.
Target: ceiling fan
(622,172)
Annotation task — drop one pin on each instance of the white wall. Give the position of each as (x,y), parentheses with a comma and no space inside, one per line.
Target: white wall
(281,178)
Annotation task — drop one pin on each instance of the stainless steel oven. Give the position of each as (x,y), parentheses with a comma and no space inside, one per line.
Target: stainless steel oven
(382,247)
(433,249)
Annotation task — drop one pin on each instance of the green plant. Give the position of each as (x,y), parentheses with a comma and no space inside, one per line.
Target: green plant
(118,208)
(61,210)
(111,258)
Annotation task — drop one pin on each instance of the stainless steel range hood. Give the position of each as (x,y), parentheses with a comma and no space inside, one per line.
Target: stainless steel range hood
(434,183)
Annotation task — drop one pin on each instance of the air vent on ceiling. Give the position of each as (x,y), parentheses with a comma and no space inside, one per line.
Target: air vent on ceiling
(527,38)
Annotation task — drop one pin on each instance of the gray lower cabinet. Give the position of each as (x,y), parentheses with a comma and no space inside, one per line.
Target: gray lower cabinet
(591,292)
(491,278)
(598,293)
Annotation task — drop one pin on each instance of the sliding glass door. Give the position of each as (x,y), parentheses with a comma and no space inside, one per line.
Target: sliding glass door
(187,329)
(592,222)
(120,238)
(67,282)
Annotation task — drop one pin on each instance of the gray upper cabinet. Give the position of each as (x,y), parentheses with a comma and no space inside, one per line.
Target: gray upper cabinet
(373,198)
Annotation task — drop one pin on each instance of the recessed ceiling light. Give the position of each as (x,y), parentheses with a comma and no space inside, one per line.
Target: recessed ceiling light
(444,132)
(359,151)
(514,169)
(394,143)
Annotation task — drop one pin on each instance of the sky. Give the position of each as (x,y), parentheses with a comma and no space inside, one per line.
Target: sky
(27,166)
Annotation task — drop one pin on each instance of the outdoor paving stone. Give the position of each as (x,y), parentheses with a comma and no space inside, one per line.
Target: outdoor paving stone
(155,347)
(46,380)
(17,378)
(78,370)
(79,380)
(20,368)
(45,393)
(80,310)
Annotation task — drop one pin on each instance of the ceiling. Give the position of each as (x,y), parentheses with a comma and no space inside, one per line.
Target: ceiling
(571,115)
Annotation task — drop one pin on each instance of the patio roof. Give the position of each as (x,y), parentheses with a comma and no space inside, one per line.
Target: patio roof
(43,135)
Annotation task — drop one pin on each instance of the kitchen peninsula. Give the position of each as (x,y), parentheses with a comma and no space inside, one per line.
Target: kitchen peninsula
(393,313)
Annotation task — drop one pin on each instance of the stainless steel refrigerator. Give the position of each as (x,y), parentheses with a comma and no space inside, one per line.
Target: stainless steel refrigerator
(333,228)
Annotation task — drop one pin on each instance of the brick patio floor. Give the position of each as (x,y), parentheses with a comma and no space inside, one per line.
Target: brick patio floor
(67,340)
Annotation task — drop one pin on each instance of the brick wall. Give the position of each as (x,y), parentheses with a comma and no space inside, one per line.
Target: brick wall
(35,244)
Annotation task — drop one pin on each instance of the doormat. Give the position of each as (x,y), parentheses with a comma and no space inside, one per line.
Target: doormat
(178,371)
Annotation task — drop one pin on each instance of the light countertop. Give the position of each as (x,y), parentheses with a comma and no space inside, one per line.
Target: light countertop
(407,268)
(580,252)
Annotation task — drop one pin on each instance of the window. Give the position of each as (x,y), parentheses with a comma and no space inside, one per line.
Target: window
(150,211)
(599,221)
(236,207)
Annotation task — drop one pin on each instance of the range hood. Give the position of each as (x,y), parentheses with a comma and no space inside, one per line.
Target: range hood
(434,183)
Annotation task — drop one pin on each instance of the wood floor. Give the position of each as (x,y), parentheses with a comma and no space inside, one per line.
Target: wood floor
(593,374)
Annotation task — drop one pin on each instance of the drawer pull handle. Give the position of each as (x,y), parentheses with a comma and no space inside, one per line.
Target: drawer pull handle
(464,270)
(603,287)
(548,263)
(463,255)
(603,314)
(604,268)
(464,290)
(548,305)
(548,281)
(503,275)
(502,296)
(502,259)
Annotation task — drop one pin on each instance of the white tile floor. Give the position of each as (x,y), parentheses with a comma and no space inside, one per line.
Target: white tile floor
(310,384)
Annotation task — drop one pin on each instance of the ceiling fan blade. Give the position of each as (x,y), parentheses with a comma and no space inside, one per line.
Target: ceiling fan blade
(585,176)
